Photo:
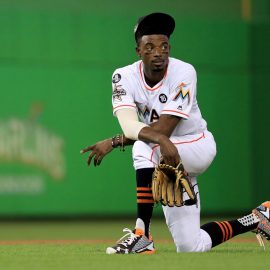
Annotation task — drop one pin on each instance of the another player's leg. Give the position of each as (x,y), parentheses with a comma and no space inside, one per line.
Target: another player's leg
(139,240)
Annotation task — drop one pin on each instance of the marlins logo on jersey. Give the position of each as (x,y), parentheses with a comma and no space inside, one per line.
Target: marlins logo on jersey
(182,92)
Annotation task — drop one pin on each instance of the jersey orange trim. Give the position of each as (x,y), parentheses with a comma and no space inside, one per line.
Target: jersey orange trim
(175,112)
(149,88)
(133,106)
(157,145)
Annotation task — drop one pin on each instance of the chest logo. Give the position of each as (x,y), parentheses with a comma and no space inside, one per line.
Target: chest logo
(162,98)
(145,112)
(182,92)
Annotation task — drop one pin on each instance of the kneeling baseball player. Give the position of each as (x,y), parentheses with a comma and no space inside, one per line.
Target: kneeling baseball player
(154,100)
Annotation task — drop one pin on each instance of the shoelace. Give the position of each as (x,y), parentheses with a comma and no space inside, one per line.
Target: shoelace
(260,240)
(129,240)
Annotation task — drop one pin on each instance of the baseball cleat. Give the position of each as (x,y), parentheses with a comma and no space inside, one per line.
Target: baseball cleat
(262,212)
(131,243)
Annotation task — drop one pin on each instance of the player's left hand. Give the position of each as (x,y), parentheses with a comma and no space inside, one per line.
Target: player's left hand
(169,152)
(98,151)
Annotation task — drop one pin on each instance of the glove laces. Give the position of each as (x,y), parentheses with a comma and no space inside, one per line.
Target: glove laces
(131,237)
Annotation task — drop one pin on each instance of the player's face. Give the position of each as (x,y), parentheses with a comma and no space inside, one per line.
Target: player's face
(154,52)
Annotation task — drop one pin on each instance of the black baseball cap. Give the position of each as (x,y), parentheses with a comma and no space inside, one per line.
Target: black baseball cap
(154,23)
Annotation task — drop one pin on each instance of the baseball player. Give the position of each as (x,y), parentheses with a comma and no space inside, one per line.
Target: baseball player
(154,100)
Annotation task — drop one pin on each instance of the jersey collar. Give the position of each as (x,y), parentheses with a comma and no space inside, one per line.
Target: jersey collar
(147,87)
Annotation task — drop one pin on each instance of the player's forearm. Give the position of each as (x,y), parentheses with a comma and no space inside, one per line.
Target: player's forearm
(156,127)
(148,134)
(168,151)
(165,125)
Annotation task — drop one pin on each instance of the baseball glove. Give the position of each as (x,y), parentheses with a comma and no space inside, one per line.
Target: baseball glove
(169,184)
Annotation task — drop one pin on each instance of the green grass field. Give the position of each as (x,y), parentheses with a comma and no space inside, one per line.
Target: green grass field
(81,245)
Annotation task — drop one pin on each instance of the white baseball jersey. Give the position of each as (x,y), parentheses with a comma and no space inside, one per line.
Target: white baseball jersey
(175,94)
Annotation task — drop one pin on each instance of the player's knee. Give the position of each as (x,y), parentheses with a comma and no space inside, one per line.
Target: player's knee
(201,164)
(141,154)
(184,242)
(190,246)
(185,247)
(140,150)
(200,243)
(138,145)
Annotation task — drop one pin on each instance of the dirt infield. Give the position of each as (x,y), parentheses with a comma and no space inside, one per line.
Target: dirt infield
(97,241)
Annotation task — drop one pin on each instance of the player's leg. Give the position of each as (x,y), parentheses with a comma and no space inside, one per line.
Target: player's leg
(139,240)
(144,170)
(184,225)
(219,232)
(197,153)
(183,222)
(191,239)
(145,200)
(257,221)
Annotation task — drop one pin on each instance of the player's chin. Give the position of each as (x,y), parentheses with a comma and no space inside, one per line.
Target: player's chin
(158,67)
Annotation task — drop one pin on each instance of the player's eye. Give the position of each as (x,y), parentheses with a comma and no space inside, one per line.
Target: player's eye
(165,47)
(149,48)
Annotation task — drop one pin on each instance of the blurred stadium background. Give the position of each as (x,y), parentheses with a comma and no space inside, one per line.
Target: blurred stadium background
(56,61)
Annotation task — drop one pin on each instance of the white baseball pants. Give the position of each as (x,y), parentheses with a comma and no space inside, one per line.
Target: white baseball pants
(197,153)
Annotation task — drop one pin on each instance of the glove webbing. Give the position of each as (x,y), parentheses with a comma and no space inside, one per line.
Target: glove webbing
(180,169)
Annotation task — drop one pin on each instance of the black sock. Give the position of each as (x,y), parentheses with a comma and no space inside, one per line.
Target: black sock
(225,230)
(145,200)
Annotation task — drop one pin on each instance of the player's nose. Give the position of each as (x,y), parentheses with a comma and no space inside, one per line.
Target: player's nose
(157,51)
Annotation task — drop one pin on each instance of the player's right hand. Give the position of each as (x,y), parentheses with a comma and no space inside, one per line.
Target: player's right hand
(98,151)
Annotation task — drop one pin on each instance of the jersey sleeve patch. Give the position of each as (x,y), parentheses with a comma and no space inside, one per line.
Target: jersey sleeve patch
(118,92)
(122,91)
(180,100)
(182,92)
(116,78)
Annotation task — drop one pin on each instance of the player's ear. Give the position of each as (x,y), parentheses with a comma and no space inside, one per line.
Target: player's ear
(138,51)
